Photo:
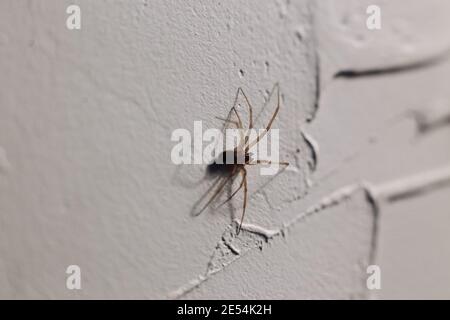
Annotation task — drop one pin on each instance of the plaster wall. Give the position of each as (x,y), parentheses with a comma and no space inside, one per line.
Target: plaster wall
(86,177)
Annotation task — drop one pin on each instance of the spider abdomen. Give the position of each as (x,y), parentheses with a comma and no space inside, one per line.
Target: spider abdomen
(228,161)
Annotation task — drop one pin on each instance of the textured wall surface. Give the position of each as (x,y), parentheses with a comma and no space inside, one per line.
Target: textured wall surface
(86,176)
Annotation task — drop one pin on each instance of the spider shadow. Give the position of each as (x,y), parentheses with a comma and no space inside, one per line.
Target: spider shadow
(266,183)
(218,172)
(180,178)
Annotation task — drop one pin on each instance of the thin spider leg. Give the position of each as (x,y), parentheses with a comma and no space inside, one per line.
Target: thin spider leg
(226,121)
(194,211)
(229,121)
(210,188)
(240,90)
(216,193)
(250,109)
(283,163)
(234,107)
(250,145)
(242,142)
(267,101)
(245,201)
(237,123)
(244,175)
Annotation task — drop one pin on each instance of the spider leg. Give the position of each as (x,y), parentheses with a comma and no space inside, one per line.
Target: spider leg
(250,109)
(269,97)
(209,189)
(233,109)
(245,200)
(216,193)
(283,163)
(276,86)
(242,142)
(234,106)
(226,121)
(237,123)
(194,211)
(244,175)
(229,121)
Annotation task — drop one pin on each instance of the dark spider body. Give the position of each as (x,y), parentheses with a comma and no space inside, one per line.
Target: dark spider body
(228,162)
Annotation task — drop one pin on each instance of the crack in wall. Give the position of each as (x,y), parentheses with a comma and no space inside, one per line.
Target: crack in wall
(266,198)
(431,120)
(314,148)
(413,186)
(317,89)
(426,121)
(231,248)
(394,69)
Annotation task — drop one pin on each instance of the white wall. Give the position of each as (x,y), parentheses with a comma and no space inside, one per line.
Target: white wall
(86,177)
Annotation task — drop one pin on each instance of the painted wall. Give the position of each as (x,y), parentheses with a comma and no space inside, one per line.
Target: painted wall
(86,176)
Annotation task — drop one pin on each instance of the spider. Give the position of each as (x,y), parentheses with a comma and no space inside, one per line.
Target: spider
(229,171)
